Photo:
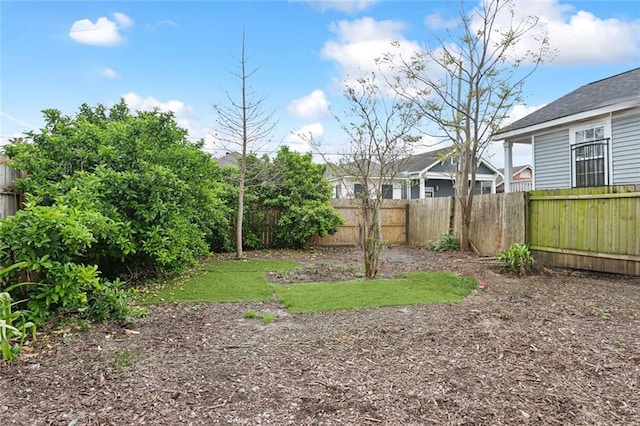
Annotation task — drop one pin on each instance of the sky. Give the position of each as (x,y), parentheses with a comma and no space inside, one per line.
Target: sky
(183,57)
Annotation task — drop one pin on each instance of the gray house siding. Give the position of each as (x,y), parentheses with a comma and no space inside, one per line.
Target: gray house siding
(444,187)
(484,170)
(552,160)
(449,169)
(625,137)
(443,167)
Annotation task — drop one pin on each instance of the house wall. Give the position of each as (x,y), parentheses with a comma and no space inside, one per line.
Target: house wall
(441,187)
(552,160)
(625,136)
(345,189)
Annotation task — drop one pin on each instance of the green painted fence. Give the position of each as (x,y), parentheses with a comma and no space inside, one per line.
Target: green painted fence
(587,228)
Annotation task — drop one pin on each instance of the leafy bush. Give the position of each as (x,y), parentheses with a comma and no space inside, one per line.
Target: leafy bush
(516,259)
(301,194)
(447,241)
(51,242)
(138,171)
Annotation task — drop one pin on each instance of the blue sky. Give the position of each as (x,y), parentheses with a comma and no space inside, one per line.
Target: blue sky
(180,56)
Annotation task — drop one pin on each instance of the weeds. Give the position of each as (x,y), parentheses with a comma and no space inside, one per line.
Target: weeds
(516,259)
(124,359)
(447,241)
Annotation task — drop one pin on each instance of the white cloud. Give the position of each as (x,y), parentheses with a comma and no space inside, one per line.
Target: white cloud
(311,107)
(110,73)
(104,32)
(299,140)
(578,36)
(360,42)
(347,6)
(183,113)
(520,111)
(123,20)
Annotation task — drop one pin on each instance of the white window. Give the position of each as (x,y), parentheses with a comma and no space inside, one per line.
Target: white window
(590,155)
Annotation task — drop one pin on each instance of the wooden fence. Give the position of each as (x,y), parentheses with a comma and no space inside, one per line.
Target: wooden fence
(392,215)
(10,199)
(497,222)
(428,218)
(587,228)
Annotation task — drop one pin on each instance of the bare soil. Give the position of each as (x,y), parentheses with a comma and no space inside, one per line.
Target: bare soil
(553,348)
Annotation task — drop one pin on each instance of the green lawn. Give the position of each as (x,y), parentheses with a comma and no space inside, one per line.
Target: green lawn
(245,280)
(415,288)
(221,281)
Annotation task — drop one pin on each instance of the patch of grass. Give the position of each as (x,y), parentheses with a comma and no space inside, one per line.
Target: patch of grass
(414,288)
(221,281)
(125,359)
(266,318)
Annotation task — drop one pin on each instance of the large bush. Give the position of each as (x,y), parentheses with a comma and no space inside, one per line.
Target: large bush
(111,193)
(301,194)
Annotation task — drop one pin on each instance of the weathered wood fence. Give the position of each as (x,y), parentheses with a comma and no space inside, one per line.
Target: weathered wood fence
(10,199)
(392,215)
(498,221)
(587,228)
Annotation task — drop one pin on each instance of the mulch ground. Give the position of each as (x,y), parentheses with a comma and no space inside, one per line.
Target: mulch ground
(553,348)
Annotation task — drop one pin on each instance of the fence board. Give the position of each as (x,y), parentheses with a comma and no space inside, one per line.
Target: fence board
(498,221)
(392,216)
(9,197)
(600,229)
(428,218)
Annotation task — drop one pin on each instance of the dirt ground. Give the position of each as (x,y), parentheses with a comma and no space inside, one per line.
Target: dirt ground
(554,348)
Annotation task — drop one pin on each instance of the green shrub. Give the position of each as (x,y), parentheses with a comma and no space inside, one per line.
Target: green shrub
(447,241)
(516,259)
(139,171)
(52,243)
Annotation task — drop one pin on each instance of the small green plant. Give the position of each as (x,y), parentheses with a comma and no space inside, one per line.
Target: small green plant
(14,325)
(447,241)
(14,328)
(516,259)
(249,314)
(124,359)
(267,318)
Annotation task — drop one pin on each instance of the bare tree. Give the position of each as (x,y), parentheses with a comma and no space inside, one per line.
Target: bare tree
(244,125)
(381,137)
(468,84)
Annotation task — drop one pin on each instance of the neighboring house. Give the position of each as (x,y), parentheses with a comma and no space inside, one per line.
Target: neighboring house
(346,184)
(521,179)
(230,159)
(430,174)
(589,137)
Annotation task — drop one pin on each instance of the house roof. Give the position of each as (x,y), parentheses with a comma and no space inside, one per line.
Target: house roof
(419,162)
(598,94)
(334,171)
(514,169)
(230,159)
